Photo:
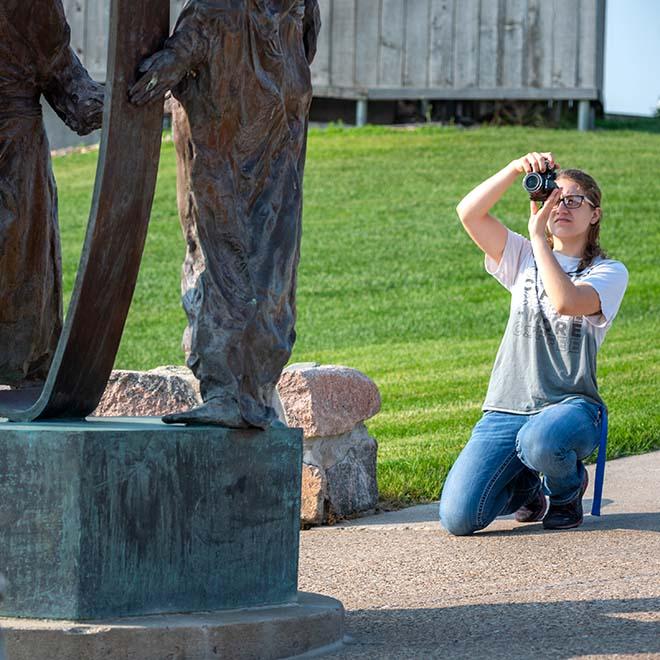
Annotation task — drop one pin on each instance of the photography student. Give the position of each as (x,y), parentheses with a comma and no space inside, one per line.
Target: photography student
(543,414)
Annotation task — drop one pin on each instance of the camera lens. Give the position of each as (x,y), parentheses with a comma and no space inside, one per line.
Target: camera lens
(532,182)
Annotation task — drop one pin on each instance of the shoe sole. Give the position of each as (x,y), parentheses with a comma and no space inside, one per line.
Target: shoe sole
(571,526)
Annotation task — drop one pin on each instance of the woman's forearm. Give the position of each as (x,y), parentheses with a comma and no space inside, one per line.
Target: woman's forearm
(566,298)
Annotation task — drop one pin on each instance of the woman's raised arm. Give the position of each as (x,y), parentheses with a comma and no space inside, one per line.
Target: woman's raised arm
(474,209)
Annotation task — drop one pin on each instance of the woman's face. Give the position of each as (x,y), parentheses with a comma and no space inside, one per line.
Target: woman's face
(572,223)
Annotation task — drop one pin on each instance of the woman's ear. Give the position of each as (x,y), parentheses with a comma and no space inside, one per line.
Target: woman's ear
(596,215)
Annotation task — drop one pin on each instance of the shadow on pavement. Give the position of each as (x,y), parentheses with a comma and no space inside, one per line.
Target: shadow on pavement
(428,513)
(642,522)
(560,630)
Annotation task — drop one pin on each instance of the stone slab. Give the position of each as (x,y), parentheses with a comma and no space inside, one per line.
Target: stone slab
(111,517)
(312,623)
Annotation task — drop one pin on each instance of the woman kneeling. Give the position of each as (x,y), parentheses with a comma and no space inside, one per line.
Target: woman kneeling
(543,413)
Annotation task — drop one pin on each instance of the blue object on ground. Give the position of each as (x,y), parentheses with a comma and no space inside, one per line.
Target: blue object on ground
(600,465)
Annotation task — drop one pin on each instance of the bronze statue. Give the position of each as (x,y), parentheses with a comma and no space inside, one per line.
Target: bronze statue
(239,70)
(35,59)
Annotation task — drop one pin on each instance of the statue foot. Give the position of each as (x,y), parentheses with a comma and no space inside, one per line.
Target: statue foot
(212,412)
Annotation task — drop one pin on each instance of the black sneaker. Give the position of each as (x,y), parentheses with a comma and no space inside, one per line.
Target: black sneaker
(568,515)
(534,510)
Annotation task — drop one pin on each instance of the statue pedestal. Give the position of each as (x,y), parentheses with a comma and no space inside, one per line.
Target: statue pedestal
(314,623)
(129,517)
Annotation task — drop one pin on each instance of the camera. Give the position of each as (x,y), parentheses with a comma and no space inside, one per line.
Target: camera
(539,185)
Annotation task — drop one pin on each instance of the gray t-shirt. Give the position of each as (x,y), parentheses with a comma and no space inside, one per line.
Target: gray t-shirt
(544,357)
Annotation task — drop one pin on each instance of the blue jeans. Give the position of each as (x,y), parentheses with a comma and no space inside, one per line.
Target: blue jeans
(498,470)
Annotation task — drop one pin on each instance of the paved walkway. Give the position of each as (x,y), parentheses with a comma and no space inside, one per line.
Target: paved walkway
(512,591)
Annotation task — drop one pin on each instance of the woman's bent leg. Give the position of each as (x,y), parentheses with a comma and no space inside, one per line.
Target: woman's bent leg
(556,440)
(487,479)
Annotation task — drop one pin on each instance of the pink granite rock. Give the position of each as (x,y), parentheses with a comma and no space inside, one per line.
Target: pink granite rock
(149,393)
(347,463)
(326,400)
(314,492)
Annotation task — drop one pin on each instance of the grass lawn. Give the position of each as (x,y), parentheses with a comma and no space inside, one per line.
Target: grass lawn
(390,284)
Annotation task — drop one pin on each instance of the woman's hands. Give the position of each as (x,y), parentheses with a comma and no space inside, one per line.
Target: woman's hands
(538,219)
(538,162)
(534,162)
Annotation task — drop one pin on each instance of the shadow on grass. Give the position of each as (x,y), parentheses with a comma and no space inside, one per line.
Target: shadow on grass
(565,629)
(639,124)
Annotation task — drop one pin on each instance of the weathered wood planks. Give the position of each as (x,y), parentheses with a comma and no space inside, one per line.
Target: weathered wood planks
(460,48)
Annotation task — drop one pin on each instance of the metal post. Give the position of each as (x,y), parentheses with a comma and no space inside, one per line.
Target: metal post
(426,108)
(584,115)
(361,112)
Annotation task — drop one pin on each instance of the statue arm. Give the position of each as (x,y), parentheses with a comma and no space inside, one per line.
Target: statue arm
(71,92)
(61,77)
(183,52)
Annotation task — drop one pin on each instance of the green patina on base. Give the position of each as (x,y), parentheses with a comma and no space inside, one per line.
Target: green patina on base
(119,517)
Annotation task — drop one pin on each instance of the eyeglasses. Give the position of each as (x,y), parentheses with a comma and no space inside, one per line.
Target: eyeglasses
(574,201)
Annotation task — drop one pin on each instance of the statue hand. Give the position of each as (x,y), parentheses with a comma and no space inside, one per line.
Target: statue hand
(162,71)
(91,110)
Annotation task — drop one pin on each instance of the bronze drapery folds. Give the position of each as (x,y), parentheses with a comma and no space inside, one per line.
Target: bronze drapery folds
(239,70)
(35,59)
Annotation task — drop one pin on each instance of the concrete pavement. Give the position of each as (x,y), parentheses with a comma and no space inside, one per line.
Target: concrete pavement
(512,591)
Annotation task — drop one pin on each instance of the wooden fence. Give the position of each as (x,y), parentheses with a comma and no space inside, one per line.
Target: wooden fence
(461,49)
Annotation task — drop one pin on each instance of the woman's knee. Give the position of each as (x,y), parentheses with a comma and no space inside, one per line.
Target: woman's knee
(542,450)
(559,434)
(456,515)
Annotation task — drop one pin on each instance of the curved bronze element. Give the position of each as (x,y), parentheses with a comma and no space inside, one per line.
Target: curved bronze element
(117,229)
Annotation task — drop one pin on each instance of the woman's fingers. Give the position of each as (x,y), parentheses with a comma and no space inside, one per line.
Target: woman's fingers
(548,204)
(547,155)
(536,161)
(551,202)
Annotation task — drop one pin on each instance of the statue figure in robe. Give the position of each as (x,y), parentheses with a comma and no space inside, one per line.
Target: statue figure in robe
(35,60)
(239,71)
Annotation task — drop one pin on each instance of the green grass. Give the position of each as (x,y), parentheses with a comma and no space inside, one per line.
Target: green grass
(390,284)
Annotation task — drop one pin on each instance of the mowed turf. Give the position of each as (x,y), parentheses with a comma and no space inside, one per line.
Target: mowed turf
(389,283)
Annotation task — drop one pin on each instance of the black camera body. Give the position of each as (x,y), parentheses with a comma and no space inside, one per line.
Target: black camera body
(539,185)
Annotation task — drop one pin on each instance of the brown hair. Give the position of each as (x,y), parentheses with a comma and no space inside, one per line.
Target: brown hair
(592,192)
